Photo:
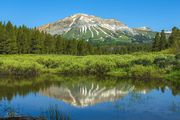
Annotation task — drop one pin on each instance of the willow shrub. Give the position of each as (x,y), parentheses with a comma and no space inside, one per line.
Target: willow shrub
(174,76)
(144,62)
(12,67)
(71,68)
(177,56)
(118,65)
(100,67)
(87,65)
(121,72)
(48,63)
(145,72)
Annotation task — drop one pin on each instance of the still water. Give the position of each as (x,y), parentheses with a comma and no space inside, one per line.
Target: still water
(90,98)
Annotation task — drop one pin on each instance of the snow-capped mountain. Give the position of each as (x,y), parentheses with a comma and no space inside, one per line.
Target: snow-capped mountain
(89,27)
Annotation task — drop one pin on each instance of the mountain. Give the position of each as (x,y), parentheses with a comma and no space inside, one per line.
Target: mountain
(92,28)
(144,28)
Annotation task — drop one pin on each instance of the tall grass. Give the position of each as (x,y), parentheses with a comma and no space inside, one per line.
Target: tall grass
(53,113)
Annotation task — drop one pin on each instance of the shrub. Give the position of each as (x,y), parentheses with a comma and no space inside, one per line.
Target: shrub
(174,76)
(118,73)
(163,62)
(94,65)
(143,72)
(177,65)
(160,62)
(23,68)
(71,68)
(99,67)
(144,62)
(1,63)
(177,56)
(48,63)
(122,63)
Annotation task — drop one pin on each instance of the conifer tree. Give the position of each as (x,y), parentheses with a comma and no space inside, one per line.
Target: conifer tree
(2,38)
(11,41)
(156,43)
(59,44)
(174,39)
(23,40)
(163,41)
(36,43)
(48,44)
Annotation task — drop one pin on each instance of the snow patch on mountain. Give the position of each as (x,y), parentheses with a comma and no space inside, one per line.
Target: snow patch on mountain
(90,26)
(144,28)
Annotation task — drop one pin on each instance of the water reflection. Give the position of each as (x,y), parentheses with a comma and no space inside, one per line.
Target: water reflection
(95,97)
(79,91)
(86,94)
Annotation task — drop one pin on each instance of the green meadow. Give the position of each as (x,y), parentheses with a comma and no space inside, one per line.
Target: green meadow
(144,66)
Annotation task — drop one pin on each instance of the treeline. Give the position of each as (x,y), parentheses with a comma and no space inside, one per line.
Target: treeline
(23,40)
(162,42)
(125,48)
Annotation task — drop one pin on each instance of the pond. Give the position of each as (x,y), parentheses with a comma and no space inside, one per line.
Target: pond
(89,98)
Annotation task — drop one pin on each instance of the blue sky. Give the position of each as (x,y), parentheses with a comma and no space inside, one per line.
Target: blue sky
(157,14)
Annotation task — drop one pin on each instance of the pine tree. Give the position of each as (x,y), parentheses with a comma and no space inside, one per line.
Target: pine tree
(23,39)
(174,39)
(71,47)
(11,42)
(163,41)
(156,43)
(2,39)
(36,44)
(177,42)
(81,48)
(59,45)
(48,44)
(171,41)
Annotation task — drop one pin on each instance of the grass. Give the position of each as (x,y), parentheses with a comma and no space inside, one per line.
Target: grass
(137,65)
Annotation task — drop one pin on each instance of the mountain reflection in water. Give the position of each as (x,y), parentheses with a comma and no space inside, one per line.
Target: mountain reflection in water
(83,93)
